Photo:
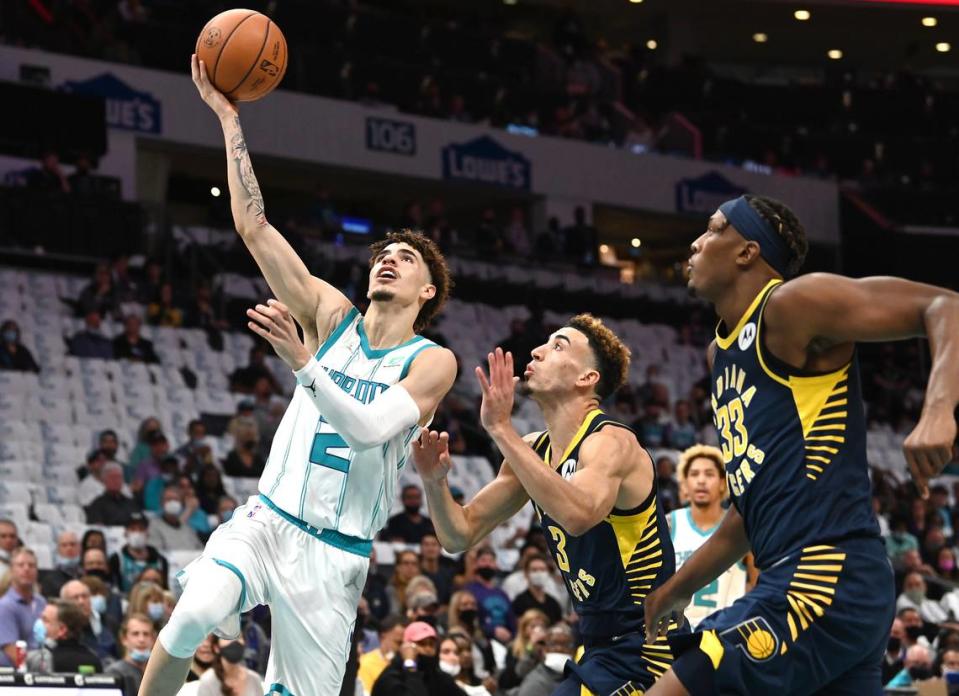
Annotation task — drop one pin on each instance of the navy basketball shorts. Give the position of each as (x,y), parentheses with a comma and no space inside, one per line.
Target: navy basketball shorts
(817,622)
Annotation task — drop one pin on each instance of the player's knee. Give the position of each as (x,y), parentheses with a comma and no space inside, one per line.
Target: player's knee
(213,592)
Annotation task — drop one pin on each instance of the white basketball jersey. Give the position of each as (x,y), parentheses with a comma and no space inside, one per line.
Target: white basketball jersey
(722,591)
(311,473)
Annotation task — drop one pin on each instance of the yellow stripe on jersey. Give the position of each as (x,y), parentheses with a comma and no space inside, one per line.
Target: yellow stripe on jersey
(727,341)
(588,421)
(822,410)
(808,599)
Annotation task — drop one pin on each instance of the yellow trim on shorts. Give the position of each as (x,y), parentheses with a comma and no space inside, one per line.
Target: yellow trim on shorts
(713,647)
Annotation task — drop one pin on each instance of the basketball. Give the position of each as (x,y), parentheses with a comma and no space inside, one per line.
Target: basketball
(244,53)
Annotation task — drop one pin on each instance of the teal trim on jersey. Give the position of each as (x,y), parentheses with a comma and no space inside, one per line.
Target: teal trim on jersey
(672,525)
(236,571)
(409,360)
(337,332)
(700,532)
(344,542)
(278,689)
(380,352)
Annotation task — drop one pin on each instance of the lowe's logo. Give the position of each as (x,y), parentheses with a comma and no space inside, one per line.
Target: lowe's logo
(706,193)
(485,161)
(126,108)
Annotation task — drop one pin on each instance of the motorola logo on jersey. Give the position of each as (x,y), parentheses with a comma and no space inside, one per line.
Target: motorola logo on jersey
(755,637)
(567,469)
(747,336)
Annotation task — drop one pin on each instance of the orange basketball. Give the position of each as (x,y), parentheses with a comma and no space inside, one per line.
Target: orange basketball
(244,53)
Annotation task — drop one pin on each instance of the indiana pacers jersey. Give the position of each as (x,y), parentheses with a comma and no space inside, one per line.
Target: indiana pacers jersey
(311,473)
(794,443)
(611,568)
(721,592)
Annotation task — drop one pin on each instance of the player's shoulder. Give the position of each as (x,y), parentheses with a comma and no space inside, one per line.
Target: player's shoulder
(803,292)
(613,438)
(434,357)
(531,438)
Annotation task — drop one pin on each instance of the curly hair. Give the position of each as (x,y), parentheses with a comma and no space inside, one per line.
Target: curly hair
(612,355)
(435,263)
(714,454)
(784,221)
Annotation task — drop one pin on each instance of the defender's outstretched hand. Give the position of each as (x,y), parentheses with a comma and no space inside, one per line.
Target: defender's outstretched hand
(431,455)
(213,97)
(273,322)
(497,406)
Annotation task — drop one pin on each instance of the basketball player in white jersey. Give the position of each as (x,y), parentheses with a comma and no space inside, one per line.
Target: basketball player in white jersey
(365,383)
(702,478)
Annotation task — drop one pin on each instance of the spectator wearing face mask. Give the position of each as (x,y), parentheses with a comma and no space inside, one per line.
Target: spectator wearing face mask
(892,660)
(137,637)
(169,531)
(469,678)
(558,650)
(410,525)
(244,460)
(58,631)
(136,555)
(914,597)
(526,650)
(66,564)
(147,597)
(536,597)
(949,668)
(415,670)
(496,616)
(916,667)
(13,354)
(912,628)
(91,635)
(229,674)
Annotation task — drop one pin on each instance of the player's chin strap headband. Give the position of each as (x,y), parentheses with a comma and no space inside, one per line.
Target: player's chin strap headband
(752,226)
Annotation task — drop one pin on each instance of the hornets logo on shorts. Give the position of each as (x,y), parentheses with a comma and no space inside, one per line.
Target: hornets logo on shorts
(755,637)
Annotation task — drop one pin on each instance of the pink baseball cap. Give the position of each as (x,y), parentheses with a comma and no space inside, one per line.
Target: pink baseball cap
(417,631)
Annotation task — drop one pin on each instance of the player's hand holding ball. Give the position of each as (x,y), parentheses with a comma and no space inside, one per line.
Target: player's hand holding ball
(213,97)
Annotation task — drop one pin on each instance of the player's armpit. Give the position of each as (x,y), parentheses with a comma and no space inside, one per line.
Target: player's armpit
(430,377)
(834,309)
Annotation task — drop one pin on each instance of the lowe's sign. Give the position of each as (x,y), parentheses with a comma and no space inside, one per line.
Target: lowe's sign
(483,160)
(704,194)
(126,108)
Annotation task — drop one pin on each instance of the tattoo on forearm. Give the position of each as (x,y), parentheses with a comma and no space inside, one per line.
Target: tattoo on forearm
(244,168)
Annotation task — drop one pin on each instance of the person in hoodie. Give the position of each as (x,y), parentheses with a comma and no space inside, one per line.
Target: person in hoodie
(414,670)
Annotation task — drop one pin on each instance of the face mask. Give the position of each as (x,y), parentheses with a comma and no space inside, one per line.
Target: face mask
(139,656)
(167,478)
(67,563)
(468,616)
(427,663)
(137,540)
(947,566)
(173,508)
(10,336)
(99,603)
(920,673)
(539,578)
(233,653)
(894,645)
(555,661)
(155,610)
(39,631)
(914,632)
(915,596)
(486,573)
(451,669)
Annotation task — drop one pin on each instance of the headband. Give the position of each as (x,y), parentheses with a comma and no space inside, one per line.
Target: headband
(752,226)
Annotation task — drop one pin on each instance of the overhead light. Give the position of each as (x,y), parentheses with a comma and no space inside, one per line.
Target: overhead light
(834,54)
(759,37)
(943,47)
(215,191)
(509,2)
(652,44)
(636,243)
(635,2)
(802,15)
(929,21)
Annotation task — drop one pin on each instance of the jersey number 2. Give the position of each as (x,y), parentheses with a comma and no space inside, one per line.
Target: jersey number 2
(703,597)
(329,449)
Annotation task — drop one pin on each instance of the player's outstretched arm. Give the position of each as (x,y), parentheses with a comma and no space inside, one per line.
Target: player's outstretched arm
(317,305)
(459,527)
(725,547)
(821,310)
(412,400)
(577,504)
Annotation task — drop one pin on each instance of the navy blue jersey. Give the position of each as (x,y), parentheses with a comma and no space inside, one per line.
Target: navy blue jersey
(611,568)
(794,443)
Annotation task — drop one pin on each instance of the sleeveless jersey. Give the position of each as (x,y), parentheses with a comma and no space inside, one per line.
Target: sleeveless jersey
(311,473)
(722,591)
(794,443)
(611,568)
